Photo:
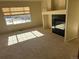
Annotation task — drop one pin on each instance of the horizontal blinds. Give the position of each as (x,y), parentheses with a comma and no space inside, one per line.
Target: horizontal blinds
(16,10)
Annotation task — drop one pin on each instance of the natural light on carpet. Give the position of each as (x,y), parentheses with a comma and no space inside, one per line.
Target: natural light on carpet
(14,39)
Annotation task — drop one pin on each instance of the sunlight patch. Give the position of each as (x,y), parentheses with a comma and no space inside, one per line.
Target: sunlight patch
(38,34)
(12,40)
(23,37)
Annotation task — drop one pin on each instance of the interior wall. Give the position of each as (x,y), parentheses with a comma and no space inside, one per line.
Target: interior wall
(44,5)
(48,5)
(35,13)
(58,4)
(72,20)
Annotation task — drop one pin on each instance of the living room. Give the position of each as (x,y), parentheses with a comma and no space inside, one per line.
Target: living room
(39,29)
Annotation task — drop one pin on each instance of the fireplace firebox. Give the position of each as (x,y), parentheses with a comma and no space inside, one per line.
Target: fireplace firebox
(58,24)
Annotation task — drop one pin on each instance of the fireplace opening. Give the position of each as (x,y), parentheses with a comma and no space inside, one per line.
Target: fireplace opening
(58,24)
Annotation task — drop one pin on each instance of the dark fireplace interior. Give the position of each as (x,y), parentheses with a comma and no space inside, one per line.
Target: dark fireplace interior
(58,24)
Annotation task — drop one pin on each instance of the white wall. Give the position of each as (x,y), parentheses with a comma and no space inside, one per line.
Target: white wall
(72,20)
(58,4)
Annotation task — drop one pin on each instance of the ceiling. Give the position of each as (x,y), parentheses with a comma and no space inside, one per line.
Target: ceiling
(20,0)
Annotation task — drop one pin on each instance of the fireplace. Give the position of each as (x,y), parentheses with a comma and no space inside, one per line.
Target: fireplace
(58,24)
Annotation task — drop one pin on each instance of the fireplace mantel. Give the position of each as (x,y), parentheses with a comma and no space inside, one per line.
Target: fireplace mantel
(54,12)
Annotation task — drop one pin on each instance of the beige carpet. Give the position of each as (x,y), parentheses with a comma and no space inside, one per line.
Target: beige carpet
(48,46)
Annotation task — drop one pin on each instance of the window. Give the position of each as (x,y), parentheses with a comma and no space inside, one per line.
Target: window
(17,15)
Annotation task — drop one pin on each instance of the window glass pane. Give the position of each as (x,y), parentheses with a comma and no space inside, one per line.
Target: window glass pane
(26,8)
(28,17)
(7,13)
(17,9)
(8,20)
(27,12)
(6,9)
(18,19)
(15,13)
